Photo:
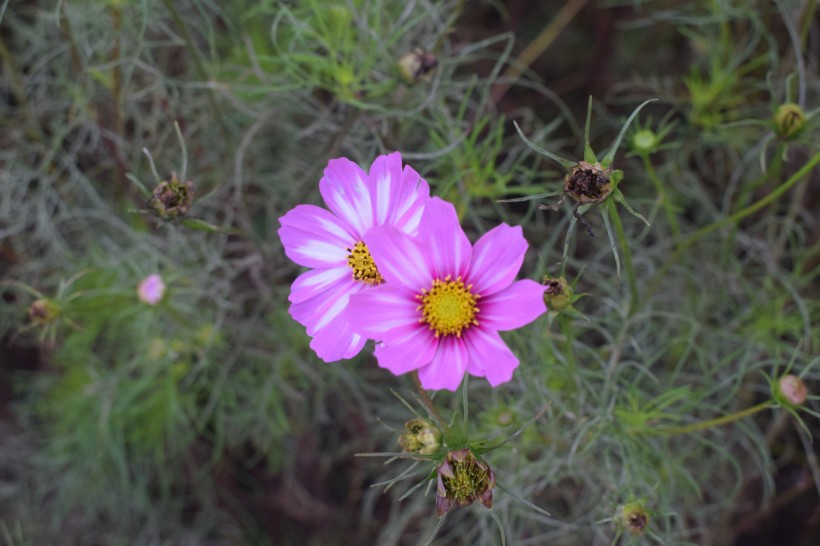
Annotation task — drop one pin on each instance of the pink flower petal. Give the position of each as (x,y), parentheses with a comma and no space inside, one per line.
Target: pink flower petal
(344,187)
(318,312)
(490,357)
(151,289)
(411,202)
(313,237)
(385,187)
(317,281)
(448,247)
(519,304)
(383,312)
(411,351)
(336,341)
(447,368)
(399,258)
(497,257)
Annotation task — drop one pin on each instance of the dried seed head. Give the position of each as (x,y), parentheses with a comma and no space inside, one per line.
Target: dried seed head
(420,436)
(417,66)
(558,294)
(633,517)
(588,183)
(789,121)
(462,480)
(791,390)
(172,199)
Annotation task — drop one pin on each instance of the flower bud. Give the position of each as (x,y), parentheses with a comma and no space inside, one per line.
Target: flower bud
(463,479)
(171,199)
(633,517)
(588,183)
(43,312)
(417,66)
(420,436)
(789,121)
(558,294)
(644,141)
(791,390)
(151,289)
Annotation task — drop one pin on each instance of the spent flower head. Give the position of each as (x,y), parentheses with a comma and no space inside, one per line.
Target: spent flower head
(445,300)
(171,199)
(633,517)
(462,479)
(558,293)
(789,121)
(331,243)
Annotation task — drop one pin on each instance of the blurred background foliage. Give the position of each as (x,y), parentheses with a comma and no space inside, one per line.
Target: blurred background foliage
(206,419)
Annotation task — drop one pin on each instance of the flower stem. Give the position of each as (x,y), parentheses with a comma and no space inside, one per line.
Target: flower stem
(665,203)
(630,271)
(428,403)
(717,421)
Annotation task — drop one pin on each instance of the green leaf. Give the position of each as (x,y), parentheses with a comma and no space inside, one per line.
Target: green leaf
(563,162)
(202,225)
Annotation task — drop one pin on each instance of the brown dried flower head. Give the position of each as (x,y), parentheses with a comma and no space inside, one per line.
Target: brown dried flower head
(633,517)
(557,294)
(43,312)
(462,480)
(588,183)
(172,199)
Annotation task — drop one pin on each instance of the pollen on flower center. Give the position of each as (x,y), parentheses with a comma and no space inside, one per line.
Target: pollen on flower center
(449,307)
(362,264)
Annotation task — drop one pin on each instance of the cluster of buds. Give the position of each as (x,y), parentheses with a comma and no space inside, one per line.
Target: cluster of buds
(421,437)
(463,479)
(171,199)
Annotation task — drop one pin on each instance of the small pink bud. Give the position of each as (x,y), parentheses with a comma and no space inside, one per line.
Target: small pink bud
(792,389)
(151,289)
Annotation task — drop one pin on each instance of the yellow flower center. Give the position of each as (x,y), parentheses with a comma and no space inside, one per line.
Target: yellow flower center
(449,307)
(362,264)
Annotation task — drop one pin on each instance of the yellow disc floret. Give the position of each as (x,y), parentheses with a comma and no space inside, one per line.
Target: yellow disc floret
(449,307)
(362,264)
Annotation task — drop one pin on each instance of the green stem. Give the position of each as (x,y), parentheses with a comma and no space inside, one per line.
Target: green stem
(751,209)
(717,421)
(428,403)
(665,203)
(630,271)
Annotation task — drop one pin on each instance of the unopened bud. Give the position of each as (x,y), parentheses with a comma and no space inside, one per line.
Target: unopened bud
(791,390)
(43,312)
(420,436)
(417,66)
(557,294)
(789,120)
(633,517)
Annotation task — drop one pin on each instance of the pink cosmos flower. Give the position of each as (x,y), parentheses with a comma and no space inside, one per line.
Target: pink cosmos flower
(151,289)
(444,301)
(331,243)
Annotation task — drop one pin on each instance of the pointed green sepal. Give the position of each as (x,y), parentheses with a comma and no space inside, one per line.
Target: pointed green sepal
(610,156)
(619,198)
(560,160)
(589,155)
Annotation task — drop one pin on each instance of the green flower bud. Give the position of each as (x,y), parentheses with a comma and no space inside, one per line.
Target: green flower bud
(558,294)
(633,517)
(462,480)
(588,183)
(420,436)
(417,66)
(789,121)
(644,141)
(171,199)
(790,391)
